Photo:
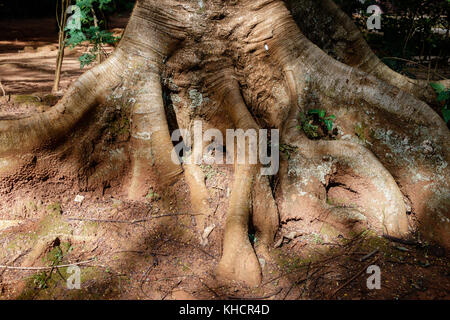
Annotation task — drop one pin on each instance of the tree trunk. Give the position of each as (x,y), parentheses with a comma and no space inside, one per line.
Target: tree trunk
(257,69)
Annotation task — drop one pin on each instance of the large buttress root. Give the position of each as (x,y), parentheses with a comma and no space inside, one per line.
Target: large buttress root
(335,83)
(22,140)
(239,262)
(41,130)
(338,81)
(151,35)
(151,146)
(264,215)
(388,217)
(374,199)
(195,178)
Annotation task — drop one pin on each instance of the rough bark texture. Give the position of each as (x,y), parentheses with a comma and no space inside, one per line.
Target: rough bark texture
(246,64)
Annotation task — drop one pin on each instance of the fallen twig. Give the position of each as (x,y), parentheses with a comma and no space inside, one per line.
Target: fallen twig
(256,298)
(416,63)
(144,277)
(130,221)
(367,256)
(306,281)
(352,278)
(15,259)
(47,268)
(209,289)
(141,252)
(169,292)
(402,241)
(301,268)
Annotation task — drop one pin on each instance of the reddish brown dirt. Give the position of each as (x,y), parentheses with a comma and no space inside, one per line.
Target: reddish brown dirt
(135,251)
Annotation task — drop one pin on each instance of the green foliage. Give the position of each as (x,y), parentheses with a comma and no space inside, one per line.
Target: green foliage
(86,59)
(95,34)
(315,119)
(328,121)
(152,195)
(40,280)
(208,171)
(55,256)
(310,130)
(444,98)
(76,37)
(287,150)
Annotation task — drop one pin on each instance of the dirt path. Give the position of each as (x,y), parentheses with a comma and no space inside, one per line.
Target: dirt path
(150,250)
(28,56)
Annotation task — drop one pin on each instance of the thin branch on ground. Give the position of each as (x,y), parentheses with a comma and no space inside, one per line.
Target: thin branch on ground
(402,241)
(144,277)
(256,298)
(167,293)
(209,289)
(47,268)
(368,256)
(130,221)
(15,259)
(416,63)
(352,278)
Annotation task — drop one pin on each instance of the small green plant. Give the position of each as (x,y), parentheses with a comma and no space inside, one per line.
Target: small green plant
(443,98)
(208,171)
(40,280)
(287,150)
(55,257)
(314,121)
(152,195)
(328,121)
(91,30)
(66,247)
(316,238)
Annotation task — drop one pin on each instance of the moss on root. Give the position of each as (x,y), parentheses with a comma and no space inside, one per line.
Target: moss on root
(96,284)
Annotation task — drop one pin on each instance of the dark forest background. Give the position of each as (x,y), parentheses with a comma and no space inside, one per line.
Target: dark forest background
(19,9)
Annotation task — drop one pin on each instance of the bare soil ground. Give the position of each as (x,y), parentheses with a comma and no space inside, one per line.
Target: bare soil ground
(150,250)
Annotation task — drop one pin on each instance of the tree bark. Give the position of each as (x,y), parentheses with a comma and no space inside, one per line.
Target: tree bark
(258,70)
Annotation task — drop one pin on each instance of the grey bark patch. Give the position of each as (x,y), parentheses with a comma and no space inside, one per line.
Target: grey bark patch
(196,98)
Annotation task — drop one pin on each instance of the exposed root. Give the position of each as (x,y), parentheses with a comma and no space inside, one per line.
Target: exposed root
(46,129)
(375,200)
(239,262)
(265,215)
(384,205)
(199,194)
(311,179)
(351,48)
(151,146)
(317,74)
